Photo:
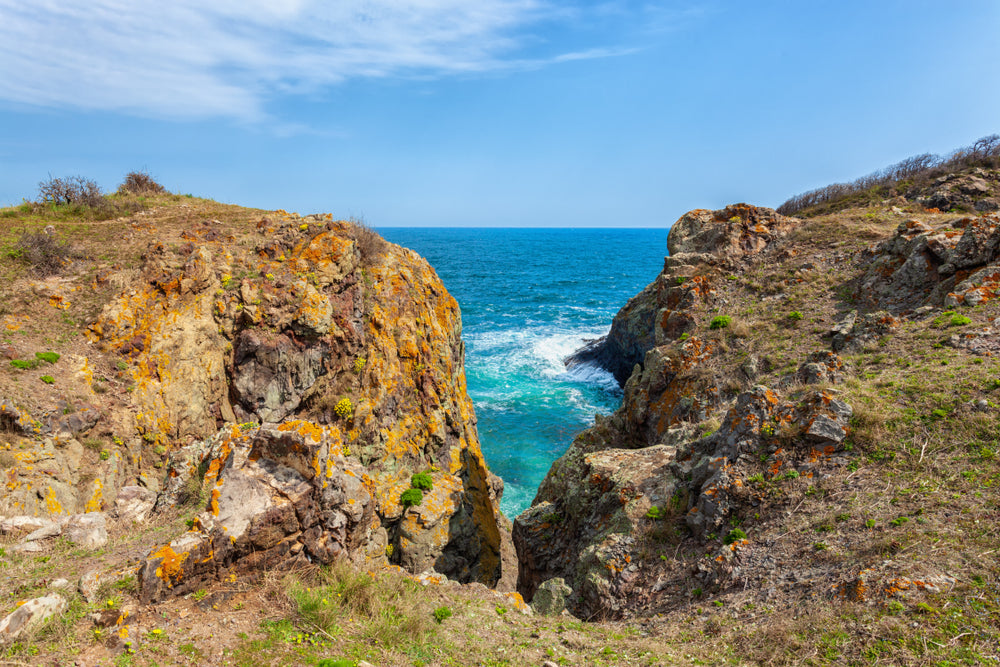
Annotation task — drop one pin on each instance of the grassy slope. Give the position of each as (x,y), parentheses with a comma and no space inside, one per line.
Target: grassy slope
(919,494)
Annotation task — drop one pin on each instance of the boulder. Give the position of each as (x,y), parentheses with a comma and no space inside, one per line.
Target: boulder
(551,596)
(31,614)
(87,530)
(22,523)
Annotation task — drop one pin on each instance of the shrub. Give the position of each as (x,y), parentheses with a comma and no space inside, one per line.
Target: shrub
(959,320)
(794,316)
(139,183)
(48,357)
(359,365)
(75,190)
(411,497)
(422,481)
(655,512)
(45,254)
(720,322)
(884,183)
(344,408)
(735,535)
(105,455)
(441,613)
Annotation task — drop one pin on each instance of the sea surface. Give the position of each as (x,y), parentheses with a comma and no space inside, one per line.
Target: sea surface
(529,298)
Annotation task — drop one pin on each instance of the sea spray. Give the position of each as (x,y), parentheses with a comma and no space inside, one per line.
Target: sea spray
(529,298)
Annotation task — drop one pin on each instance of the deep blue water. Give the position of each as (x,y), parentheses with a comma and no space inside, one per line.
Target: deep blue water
(529,297)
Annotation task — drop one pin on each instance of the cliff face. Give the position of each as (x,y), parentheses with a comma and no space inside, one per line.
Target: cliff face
(292,375)
(743,364)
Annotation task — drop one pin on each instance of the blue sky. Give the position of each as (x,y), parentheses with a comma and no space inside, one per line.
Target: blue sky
(489,112)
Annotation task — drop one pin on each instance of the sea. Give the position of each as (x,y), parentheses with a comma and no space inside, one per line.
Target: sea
(530,297)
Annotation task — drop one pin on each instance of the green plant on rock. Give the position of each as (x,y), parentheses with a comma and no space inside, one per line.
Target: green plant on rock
(422,481)
(48,357)
(959,320)
(47,379)
(720,322)
(656,512)
(344,408)
(794,316)
(442,613)
(411,497)
(735,535)
(24,364)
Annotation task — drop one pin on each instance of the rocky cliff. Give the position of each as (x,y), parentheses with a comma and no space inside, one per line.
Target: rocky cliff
(748,394)
(286,375)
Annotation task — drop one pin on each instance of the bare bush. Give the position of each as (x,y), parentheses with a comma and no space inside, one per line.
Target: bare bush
(45,254)
(370,243)
(918,169)
(140,183)
(75,190)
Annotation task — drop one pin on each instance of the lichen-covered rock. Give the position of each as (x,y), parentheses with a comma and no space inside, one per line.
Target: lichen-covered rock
(550,598)
(31,614)
(698,242)
(923,266)
(587,521)
(977,190)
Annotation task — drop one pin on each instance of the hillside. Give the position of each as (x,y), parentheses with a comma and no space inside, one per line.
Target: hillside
(803,470)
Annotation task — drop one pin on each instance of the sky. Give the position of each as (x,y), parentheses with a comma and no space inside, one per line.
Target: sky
(489,112)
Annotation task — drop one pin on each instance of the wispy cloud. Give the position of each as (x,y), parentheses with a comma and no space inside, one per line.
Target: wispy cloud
(192,59)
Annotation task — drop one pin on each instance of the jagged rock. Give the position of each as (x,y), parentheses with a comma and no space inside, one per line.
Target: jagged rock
(580,525)
(550,598)
(134,503)
(853,333)
(17,419)
(87,530)
(756,417)
(920,266)
(656,316)
(31,613)
(271,373)
(960,191)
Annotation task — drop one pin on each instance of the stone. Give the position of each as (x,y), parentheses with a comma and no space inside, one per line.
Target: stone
(89,584)
(51,530)
(87,530)
(31,614)
(134,503)
(29,524)
(550,598)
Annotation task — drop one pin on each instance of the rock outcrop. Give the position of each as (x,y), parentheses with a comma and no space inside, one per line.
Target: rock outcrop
(660,313)
(287,380)
(650,466)
(956,263)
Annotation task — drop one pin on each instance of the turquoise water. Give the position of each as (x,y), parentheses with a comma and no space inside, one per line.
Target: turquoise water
(529,297)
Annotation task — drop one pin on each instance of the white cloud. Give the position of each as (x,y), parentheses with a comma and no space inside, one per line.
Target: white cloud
(189,58)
